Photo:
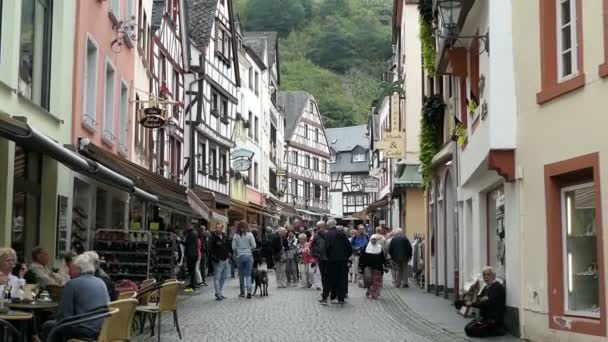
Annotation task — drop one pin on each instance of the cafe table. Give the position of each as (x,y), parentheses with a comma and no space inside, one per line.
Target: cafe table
(21,317)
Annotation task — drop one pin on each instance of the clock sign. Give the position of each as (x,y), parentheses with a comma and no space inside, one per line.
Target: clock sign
(241,164)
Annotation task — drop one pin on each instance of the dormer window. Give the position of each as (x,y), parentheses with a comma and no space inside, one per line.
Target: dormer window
(359,156)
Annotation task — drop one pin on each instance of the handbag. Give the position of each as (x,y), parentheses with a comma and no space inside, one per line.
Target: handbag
(367,277)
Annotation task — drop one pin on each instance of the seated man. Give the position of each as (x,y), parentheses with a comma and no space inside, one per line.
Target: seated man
(491,305)
(40,268)
(84,293)
(101,274)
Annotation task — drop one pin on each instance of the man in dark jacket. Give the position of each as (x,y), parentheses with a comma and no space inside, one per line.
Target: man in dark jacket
(491,305)
(317,250)
(191,255)
(338,250)
(400,251)
(219,252)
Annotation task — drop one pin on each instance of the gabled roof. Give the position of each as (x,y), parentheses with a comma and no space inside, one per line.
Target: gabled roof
(256,48)
(345,139)
(271,44)
(201,18)
(294,103)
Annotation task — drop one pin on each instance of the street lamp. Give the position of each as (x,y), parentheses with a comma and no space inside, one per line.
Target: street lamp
(449,14)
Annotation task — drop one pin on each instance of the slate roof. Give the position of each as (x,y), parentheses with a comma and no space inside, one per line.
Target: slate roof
(347,138)
(344,163)
(272,46)
(201,18)
(256,46)
(158,10)
(294,103)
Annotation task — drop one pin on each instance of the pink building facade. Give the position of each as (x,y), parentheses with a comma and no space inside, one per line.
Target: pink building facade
(103,109)
(104,58)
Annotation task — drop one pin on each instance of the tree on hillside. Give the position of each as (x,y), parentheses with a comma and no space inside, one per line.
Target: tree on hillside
(283,16)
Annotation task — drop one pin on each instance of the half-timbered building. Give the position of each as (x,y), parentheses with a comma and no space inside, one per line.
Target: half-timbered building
(167,65)
(349,167)
(214,57)
(307,155)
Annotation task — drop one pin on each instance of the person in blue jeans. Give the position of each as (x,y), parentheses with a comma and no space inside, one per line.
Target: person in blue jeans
(243,244)
(219,252)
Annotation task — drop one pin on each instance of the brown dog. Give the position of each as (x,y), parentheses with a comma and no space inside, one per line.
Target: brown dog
(261,282)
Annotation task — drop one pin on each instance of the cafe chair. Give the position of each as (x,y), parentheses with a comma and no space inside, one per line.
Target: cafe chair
(118,327)
(168,293)
(127,295)
(55,292)
(100,313)
(7,328)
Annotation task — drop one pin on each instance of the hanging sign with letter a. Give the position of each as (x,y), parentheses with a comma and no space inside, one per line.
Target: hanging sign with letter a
(153,117)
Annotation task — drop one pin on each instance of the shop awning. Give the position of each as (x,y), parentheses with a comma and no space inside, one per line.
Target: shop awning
(212,199)
(379,204)
(408,176)
(282,208)
(16,129)
(218,217)
(170,194)
(243,206)
(308,212)
(197,205)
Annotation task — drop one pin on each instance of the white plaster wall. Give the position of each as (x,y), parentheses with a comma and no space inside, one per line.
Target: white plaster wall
(335,204)
(413,81)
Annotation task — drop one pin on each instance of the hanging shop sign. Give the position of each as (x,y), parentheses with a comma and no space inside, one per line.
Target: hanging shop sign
(393,142)
(371,184)
(153,117)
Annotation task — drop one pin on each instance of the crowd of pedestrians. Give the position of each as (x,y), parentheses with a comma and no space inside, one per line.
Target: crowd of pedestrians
(326,258)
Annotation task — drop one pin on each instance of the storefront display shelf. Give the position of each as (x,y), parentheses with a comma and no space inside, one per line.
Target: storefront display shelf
(163,263)
(125,254)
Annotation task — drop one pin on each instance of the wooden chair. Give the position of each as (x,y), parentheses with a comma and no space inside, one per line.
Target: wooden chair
(169,292)
(55,292)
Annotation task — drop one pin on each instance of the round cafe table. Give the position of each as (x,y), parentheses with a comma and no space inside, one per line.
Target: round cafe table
(32,306)
(19,317)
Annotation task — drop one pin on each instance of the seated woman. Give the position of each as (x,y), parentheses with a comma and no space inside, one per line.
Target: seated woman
(491,305)
(84,293)
(8,260)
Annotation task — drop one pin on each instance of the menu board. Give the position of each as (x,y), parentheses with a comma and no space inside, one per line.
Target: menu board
(61,242)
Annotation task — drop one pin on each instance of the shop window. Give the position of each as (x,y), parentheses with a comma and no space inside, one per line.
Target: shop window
(26,201)
(580,250)
(574,244)
(496,251)
(35,50)
(89,113)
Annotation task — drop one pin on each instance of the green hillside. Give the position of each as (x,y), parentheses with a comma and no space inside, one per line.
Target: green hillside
(334,49)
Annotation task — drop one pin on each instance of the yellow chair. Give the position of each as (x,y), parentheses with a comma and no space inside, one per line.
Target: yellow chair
(118,327)
(168,294)
(108,324)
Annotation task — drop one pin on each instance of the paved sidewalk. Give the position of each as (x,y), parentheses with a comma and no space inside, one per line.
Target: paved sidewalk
(436,310)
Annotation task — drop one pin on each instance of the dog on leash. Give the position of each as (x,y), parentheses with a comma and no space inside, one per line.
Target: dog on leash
(261,282)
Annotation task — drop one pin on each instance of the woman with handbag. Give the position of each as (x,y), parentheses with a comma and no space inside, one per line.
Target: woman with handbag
(372,264)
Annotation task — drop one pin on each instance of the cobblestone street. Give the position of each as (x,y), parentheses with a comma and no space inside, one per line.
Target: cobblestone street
(293,314)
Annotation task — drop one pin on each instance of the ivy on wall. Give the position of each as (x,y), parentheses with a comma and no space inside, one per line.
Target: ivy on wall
(427,42)
(430,134)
